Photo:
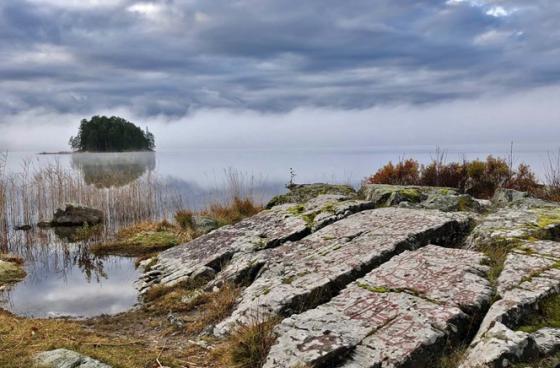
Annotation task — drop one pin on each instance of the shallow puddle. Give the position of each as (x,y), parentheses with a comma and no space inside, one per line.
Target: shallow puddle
(65,279)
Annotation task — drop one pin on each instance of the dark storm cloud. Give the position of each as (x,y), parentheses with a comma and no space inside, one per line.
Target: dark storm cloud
(171,57)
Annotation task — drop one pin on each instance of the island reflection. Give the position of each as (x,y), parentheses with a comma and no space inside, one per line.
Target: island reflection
(105,170)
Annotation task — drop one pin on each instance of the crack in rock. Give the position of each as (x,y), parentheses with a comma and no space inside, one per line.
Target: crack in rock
(374,327)
(304,274)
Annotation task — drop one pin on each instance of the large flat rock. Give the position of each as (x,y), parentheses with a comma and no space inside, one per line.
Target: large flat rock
(265,230)
(399,315)
(303,274)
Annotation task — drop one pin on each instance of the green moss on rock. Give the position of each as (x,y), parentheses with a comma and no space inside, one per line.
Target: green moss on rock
(301,193)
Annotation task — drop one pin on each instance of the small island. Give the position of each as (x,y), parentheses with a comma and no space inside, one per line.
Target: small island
(111,134)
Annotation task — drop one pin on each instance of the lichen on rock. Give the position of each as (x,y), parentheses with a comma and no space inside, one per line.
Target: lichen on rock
(301,193)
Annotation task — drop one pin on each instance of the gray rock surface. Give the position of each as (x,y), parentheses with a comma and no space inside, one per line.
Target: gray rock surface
(547,341)
(530,274)
(265,230)
(362,287)
(501,347)
(516,224)
(302,274)
(74,215)
(204,224)
(301,193)
(410,196)
(398,315)
(63,358)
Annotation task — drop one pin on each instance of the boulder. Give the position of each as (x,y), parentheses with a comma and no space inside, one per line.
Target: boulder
(74,215)
(204,224)
(501,348)
(504,197)
(64,358)
(301,193)
(401,314)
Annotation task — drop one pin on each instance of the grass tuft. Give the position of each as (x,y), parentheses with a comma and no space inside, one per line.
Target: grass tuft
(248,347)
(232,212)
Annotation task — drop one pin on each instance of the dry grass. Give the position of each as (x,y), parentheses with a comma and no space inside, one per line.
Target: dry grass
(248,347)
(233,211)
(552,176)
(213,307)
(452,357)
(184,219)
(21,338)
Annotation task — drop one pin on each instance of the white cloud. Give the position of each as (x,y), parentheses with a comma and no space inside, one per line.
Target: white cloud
(146,9)
(500,11)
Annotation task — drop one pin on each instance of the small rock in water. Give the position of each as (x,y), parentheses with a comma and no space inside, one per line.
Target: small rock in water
(23,227)
(77,216)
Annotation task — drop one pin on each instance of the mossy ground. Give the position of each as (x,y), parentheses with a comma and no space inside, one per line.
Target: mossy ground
(152,237)
(11,269)
(144,238)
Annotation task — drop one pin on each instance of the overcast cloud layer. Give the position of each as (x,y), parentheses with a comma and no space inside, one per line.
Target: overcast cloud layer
(319,65)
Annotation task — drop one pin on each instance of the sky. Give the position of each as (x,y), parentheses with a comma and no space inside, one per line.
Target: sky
(260,73)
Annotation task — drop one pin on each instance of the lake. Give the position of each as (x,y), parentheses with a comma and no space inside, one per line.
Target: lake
(64,279)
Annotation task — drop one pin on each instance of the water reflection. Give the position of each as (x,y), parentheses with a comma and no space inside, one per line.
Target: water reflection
(65,279)
(105,170)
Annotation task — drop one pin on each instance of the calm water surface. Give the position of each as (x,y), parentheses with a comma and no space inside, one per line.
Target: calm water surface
(64,279)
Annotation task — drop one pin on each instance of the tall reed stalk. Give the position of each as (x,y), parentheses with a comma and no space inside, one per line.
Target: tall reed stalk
(33,194)
(3,204)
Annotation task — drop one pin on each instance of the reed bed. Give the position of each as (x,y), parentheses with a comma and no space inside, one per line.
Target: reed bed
(32,195)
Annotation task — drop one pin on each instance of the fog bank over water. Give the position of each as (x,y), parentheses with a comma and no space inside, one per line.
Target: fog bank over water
(532,118)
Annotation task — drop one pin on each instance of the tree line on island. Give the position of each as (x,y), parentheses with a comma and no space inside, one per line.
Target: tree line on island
(111,134)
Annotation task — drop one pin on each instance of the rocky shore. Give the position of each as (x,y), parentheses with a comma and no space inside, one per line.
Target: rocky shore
(389,276)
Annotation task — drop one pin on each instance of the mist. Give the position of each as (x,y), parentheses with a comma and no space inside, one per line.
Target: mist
(529,117)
